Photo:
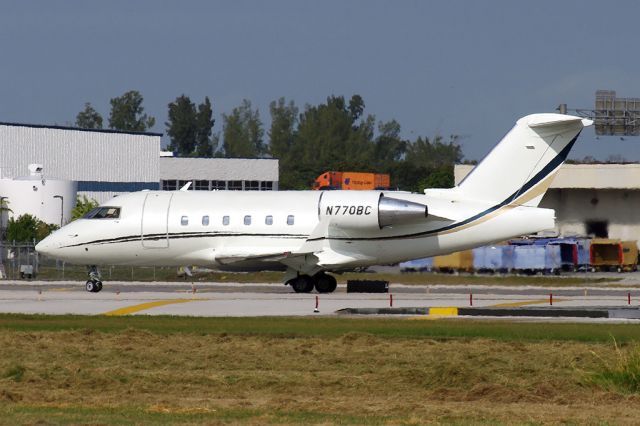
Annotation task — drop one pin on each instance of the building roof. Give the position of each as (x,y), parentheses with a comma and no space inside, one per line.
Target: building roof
(583,176)
(46,126)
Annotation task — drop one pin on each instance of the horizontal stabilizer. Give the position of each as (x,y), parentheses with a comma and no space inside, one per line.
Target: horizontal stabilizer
(561,121)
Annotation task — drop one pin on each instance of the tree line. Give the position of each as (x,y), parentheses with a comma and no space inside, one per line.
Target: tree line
(333,135)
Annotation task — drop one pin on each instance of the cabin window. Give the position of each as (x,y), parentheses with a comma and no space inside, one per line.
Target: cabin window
(247,220)
(266,186)
(103,213)
(268,220)
(225,220)
(290,219)
(205,220)
(184,220)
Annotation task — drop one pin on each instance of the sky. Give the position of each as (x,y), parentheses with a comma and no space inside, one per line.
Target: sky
(470,68)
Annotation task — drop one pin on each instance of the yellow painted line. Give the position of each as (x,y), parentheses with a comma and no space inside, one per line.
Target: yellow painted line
(144,306)
(59,289)
(525,303)
(443,311)
(435,313)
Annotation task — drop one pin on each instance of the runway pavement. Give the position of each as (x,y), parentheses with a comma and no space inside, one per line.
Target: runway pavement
(229,299)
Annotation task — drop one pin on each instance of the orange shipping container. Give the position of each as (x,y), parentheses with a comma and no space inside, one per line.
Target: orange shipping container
(352,180)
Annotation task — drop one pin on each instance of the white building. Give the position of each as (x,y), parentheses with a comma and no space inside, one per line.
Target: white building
(50,200)
(600,200)
(207,174)
(104,163)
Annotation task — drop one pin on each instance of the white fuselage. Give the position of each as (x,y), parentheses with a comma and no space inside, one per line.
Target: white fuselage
(245,230)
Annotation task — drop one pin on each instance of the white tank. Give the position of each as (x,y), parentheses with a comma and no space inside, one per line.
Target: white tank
(50,200)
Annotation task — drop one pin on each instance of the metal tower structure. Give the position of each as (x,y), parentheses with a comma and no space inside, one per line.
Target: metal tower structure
(612,116)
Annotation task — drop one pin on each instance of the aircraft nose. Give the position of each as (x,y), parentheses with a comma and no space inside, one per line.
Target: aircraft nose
(46,246)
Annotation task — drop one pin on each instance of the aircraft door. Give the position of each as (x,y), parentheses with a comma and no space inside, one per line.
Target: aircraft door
(155,220)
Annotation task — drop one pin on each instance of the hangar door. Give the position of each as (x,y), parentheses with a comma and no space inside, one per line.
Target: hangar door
(155,220)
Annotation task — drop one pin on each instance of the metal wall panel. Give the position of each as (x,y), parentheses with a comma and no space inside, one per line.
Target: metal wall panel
(218,169)
(79,155)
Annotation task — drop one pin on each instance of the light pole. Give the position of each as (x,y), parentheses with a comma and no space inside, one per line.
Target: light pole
(2,210)
(61,208)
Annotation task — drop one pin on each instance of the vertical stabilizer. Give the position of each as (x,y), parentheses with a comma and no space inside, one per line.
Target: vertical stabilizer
(521,167)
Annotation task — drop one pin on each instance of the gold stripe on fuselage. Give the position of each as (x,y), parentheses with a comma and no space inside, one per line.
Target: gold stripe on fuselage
(534,192)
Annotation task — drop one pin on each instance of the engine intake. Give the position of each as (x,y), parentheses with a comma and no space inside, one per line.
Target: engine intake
(368,210)
(392,211)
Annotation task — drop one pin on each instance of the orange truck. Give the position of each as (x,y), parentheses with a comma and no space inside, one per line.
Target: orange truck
(352,180)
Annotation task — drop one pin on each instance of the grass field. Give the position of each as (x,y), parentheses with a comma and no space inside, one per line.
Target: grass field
(165,370)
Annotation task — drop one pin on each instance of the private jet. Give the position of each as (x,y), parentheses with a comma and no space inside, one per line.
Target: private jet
(311,234)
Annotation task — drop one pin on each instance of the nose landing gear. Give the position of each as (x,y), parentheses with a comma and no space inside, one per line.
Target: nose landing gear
(94,283)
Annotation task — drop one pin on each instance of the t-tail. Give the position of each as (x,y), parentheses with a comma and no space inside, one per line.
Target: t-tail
(519,170)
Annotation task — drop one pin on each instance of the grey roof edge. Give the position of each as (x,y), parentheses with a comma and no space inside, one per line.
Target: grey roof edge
(78,129)
(218,158)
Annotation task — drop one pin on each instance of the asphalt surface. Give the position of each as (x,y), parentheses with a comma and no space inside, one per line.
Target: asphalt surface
(229,299)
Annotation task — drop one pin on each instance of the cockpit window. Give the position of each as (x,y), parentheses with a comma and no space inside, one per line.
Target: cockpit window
(103,213)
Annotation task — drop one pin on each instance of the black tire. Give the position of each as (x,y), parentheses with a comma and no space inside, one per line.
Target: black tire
(90,286)
(325,283)
(98,286)
(302,284)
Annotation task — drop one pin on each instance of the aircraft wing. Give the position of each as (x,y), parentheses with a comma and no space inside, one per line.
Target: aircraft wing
(227,258)
(315,254)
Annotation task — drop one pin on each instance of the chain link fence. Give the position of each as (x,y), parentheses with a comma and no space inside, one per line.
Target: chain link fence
(21,261)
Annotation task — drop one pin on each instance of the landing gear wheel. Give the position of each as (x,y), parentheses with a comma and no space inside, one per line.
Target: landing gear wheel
(94,283)
(325,283)
(93,286)
(302,284)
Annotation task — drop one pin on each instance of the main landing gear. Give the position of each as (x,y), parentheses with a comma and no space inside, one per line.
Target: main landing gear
(94,283)
(323,283)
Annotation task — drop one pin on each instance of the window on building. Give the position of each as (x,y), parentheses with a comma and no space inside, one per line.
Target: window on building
(184,220)
(225,220)
(205,220)
(202,185)
(268,220)
(290,219)
(182,183)
(169,185)
(235,185)
(218,184)
(251,185)
(247,220)
(597,228)
(266,186)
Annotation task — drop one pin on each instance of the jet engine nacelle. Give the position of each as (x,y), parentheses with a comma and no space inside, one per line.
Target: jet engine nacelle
(368,210)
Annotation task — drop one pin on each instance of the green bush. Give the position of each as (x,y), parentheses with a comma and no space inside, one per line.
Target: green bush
(27,228)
